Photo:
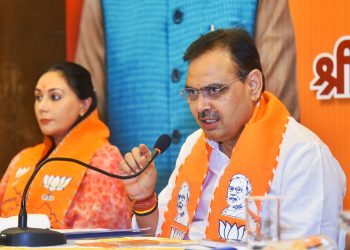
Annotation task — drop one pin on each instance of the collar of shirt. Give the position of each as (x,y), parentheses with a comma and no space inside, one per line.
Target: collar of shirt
(218,160)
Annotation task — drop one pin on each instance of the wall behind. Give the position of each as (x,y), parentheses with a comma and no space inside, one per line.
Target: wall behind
(32,37)
(320,25)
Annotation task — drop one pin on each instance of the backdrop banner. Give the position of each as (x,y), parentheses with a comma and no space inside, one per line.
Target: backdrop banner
(322,30)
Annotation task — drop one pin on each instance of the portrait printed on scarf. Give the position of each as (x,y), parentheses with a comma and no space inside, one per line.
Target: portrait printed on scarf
(182,201)
(238,189)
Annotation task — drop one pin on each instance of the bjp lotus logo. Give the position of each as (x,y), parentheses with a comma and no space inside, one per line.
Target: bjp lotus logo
(231,232)
(332,72)
(176,234)
(21,171)
(54,183)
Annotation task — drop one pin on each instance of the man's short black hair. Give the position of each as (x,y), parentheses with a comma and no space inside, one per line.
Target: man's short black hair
(237,41)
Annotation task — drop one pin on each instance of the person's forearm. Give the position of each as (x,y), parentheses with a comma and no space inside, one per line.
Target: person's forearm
(149,221)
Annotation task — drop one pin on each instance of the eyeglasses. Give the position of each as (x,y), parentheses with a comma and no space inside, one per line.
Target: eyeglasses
(212,92)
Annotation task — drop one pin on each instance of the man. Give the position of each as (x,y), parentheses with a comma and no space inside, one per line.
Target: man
(134,50)
(246,131)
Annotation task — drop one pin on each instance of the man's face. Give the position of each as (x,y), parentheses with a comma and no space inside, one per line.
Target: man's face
(221,118)
(236,192)
(182,200)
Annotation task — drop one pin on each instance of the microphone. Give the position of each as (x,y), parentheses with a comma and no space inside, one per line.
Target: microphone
(25,236)
(163,142)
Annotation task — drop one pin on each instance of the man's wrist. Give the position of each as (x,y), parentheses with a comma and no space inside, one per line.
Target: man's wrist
(146,206)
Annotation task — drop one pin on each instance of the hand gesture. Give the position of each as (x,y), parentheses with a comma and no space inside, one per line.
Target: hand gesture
(142,186)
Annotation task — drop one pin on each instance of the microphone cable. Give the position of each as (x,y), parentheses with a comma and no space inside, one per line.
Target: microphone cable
(160,146)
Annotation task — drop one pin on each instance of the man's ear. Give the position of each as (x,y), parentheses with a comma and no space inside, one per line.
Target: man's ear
(85,105)
(255,84)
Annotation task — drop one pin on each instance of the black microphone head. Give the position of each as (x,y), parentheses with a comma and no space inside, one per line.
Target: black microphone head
(162,143)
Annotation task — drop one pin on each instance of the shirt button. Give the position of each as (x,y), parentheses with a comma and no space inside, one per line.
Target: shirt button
(176,136)
(175,75)
(178,15)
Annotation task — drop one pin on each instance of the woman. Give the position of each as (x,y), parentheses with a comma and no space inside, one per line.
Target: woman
(71,195)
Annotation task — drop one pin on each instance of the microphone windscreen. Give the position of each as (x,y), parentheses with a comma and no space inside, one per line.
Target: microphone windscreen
(162,143)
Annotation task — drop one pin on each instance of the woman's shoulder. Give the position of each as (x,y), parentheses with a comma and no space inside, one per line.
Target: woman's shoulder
(10,169)
(106,157)
(107,150)
(16,158)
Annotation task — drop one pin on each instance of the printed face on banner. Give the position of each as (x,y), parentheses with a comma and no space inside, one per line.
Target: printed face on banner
(239,188)
(182,201)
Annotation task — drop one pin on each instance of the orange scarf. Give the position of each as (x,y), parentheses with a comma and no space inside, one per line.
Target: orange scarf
(251,168)
(55,185)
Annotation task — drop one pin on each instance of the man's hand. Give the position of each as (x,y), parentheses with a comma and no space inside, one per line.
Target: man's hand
(142,186)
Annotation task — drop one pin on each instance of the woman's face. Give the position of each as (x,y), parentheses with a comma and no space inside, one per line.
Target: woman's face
(56,106)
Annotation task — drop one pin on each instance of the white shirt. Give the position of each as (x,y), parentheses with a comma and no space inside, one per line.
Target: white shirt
(308,177)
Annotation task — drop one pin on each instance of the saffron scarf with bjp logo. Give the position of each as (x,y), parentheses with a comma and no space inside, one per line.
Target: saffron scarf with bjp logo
(253,162)
(55,185)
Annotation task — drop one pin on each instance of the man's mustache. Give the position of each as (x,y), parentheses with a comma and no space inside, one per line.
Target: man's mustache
(208,114)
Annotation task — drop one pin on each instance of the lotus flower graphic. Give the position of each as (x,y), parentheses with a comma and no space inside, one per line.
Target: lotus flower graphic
(21,171)
(54,183)
(228,232)
(177,234)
